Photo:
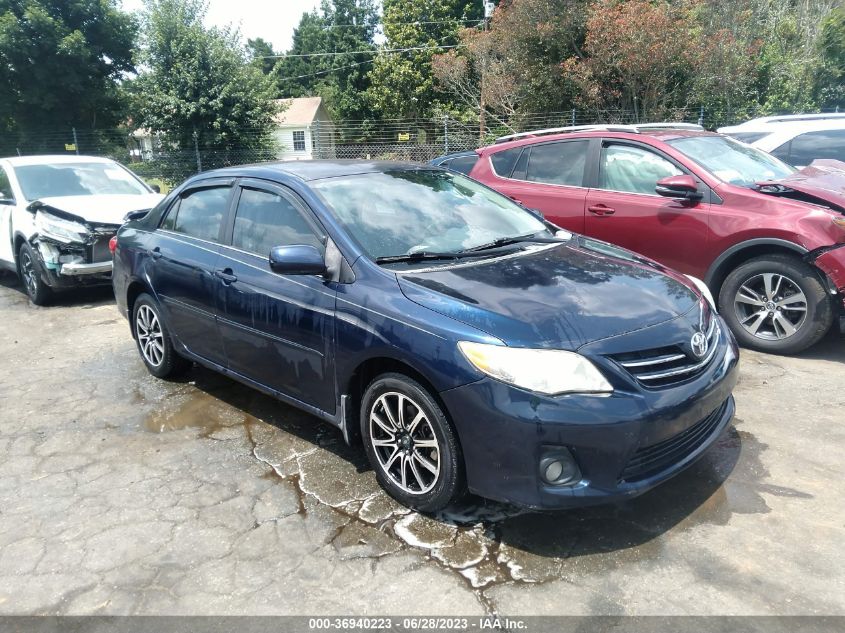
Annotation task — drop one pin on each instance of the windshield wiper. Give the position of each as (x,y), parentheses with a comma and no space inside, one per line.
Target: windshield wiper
(424,255)
(507,241)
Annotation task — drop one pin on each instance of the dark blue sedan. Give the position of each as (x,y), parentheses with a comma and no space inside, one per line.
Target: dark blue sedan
(463,340)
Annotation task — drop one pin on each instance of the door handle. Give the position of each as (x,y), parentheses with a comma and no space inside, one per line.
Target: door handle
(155,253)
(226,276)
(601,210)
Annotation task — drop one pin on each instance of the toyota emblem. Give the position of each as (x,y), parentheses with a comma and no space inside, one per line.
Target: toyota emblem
(699,344)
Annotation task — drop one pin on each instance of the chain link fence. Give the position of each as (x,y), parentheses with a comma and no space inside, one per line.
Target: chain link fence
(417,140)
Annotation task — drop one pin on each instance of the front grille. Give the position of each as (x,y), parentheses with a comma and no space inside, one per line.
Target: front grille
(100,248)
(651,460)
(670,365)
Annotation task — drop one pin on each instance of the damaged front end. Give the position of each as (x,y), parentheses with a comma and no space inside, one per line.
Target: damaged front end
(71,250)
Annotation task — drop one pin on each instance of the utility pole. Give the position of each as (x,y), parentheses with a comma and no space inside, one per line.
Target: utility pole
(482,114)
(75,141)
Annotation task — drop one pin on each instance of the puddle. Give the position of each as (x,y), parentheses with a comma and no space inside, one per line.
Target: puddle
(196,410)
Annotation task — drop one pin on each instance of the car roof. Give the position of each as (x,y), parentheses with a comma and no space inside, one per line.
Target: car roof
(308,170)
(661,134)
(53,159)
(797,124)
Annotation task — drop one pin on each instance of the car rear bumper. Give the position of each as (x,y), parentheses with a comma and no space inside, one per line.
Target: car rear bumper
(624,444)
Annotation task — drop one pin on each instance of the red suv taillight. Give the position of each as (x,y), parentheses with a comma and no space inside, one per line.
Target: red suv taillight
(113,244)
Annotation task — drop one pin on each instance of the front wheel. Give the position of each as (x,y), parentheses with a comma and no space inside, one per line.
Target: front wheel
(410,444)
(776,304)
(29,271)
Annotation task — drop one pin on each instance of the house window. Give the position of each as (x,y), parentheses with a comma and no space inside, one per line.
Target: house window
(299,141)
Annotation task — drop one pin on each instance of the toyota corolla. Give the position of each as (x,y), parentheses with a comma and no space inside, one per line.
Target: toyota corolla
(465,342)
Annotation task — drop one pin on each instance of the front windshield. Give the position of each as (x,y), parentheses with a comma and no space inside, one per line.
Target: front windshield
(76,179)
(413,211)
(731,161)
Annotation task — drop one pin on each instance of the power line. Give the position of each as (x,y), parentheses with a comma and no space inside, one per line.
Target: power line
(369,52)
(326,72)
(415,23)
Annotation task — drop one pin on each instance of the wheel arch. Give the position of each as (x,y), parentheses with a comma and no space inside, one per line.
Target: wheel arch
(744,251)
(134,290)
(365,372)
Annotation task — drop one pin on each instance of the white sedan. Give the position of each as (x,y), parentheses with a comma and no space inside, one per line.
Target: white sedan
(57,215)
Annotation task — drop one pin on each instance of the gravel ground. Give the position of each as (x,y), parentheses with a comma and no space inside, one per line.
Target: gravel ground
(124,494)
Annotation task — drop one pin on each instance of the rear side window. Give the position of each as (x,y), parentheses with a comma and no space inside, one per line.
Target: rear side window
(503,162)
(266,219)
(558,163)
(199,214)
(5,187)
(808,147)
(462,164)
(633,169)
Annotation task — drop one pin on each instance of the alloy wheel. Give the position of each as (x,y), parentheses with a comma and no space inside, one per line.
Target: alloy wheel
(770,306)
(28,273)
(150,336)
(404,442)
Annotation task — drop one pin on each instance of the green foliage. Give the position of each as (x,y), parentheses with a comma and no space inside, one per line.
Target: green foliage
(262,54)
(403,83)
(60,63)
(199,89)
(346,27)
(830,82)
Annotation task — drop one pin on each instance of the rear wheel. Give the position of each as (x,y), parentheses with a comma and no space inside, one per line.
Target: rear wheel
(776,304)
(153,340)
(29,271)
(410,444)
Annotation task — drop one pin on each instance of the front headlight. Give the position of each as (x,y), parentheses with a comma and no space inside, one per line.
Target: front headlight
(61,230)
(704,290)
(546,371)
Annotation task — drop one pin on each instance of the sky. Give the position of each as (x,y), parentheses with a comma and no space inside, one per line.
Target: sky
(273,20)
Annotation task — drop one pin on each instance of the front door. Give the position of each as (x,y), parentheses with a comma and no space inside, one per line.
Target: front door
(278,330)
(6,206)
(183,265)
(625,210)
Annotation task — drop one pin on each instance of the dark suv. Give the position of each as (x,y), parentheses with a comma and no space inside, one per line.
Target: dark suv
(767,239)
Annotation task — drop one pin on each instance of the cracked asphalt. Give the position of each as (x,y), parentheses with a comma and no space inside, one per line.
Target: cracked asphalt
(124,494)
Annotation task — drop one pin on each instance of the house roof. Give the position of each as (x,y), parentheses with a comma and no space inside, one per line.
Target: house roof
(299,111)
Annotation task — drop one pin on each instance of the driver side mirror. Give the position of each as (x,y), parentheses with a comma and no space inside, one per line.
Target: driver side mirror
(8,201)
(683,187)
(300,259)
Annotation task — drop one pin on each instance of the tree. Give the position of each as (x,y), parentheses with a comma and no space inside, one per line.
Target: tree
(60,63)
(346,29)
(402,83)
(262,54)
(199,89)
(830,84)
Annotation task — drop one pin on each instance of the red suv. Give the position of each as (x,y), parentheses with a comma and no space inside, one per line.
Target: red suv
(768,240)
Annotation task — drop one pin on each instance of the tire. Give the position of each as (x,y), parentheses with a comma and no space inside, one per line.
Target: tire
(30,274)
(434,476)
(776,304)
(153,340)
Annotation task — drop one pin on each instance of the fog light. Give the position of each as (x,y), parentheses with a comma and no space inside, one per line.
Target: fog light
(558,467)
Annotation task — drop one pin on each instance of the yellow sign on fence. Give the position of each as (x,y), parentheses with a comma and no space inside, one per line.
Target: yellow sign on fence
(404,136)
(70,147)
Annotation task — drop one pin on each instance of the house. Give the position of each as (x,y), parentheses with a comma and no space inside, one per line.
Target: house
(304,129)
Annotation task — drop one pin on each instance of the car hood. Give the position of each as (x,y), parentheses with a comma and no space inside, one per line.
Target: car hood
(563,296)
(822,182)
(105,209)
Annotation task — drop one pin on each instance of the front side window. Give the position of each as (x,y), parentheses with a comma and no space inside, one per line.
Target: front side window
(633,169)
(199,213)
(77,179)
(265,219)
(806,148)
(558,163)
(730,161)
(299,141)
(406,211)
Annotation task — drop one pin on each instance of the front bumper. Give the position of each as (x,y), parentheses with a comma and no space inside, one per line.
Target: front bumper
(79,268)
(504,431)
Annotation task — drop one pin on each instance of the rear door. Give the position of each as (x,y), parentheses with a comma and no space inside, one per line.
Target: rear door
(549,177)
(624,209)
(184,259)
(810,146)
(278,330)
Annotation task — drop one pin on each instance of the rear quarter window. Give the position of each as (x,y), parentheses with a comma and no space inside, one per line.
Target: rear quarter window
(504,161)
